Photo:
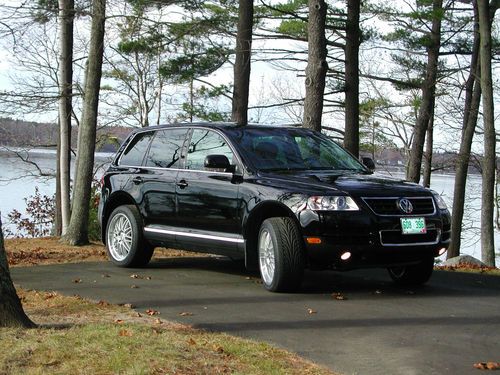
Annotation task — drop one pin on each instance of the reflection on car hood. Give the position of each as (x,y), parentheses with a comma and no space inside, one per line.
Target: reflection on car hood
(346,181)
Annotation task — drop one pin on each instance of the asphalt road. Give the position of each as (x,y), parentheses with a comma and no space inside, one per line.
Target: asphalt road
(443,328)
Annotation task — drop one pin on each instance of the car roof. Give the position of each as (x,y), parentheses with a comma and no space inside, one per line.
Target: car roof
(214,125)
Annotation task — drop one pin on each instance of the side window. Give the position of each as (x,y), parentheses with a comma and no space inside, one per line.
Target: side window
(203,143)
(166,148)
(135,151)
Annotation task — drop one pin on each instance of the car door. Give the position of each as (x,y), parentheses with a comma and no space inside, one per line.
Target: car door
(161,166)
(208,199)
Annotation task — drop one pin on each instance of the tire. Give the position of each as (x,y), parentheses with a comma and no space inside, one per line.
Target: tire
(125,243)
(281,255)
(415,275)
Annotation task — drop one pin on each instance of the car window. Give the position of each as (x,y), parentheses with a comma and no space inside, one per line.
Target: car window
(166,147)
(292,149)
(206,142)
(135,151)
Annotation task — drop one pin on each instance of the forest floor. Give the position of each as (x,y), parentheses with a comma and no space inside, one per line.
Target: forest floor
(76,335)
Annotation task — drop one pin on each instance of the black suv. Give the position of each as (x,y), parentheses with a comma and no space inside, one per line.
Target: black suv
(279,198)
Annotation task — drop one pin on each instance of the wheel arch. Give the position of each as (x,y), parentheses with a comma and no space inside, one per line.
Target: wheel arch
(261,212)
(115,200)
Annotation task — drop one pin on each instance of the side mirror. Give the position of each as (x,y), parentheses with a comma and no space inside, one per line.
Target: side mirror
(368,163)
(217,162)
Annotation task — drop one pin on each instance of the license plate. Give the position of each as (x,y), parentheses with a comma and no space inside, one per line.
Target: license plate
(413,225)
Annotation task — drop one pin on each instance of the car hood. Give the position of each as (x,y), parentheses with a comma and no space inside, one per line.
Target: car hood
(355,184)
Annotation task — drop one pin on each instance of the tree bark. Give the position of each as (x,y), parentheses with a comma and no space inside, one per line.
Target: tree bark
(471,110)
(429,142)
(428,95)
(351,138)
(316,65)
(11,309)
(489,159)
(66,17)
(242,62)
(77,232)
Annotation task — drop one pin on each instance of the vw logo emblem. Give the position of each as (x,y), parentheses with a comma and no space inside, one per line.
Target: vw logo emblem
(405,205)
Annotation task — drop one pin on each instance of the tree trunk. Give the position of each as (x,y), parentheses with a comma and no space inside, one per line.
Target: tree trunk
(77,232)
(489,160)
(11,309)
(429,142)
(428,94)
(471,110)
(316,65)
(351,138)
(242,62)
(57,229)
(66,16)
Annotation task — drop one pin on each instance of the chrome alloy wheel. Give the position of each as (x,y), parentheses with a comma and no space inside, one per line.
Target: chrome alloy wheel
(266,257)
(119,237)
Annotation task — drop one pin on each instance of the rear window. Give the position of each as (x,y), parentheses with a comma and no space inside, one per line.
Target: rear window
(135,151)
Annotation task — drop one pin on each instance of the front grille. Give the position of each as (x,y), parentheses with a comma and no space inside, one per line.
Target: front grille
(389,206)
(396,238)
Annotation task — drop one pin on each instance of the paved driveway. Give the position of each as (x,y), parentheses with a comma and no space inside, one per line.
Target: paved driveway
(443,328)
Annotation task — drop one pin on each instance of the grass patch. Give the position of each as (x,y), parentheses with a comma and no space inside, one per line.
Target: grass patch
(78,336)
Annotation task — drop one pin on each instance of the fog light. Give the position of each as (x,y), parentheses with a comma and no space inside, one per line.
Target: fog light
(442,251)
(345,255)
(313,240)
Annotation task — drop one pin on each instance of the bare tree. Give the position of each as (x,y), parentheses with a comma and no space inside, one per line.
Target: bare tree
(316,65)
(242,62)
(351,139)
(77,232)
(489,160)
(11,309)
(66,16)
(428,93)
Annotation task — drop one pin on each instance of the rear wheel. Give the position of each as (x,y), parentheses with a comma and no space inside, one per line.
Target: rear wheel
(414,275)
(125,243)
(281,255)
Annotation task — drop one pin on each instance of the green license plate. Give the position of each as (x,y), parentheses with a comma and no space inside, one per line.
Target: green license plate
(413,225)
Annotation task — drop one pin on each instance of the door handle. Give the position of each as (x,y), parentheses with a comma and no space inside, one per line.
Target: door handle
(137,180)
(182,184)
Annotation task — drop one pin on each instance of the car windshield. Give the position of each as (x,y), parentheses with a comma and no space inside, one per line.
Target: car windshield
(285,149)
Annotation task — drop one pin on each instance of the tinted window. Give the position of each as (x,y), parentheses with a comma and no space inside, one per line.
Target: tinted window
(135,151)
(293,149)
(203,143)
(165,150)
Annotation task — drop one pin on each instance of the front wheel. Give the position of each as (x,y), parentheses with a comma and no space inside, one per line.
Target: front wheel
(125,243)
(414,275)
(281,255)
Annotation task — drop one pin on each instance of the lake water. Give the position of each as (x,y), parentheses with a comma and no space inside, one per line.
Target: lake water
(18,180)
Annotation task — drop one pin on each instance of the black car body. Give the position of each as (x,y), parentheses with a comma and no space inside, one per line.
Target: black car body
(281,198)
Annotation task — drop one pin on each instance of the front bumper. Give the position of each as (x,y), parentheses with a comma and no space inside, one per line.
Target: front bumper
(371,240)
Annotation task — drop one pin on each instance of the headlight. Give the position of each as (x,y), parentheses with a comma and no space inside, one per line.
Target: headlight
(332,203)
(439,200)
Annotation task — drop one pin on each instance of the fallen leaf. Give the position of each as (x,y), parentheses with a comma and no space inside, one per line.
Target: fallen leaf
(124,332)
(103,303)
(186,313)
(156,331)
(487,365)
(119,321)
(77,281)
(148,277)
(134,287)
(311,311)
(135,276)
(191,341)
(158,321)
(105,275)
(128,305)
(219,349)
(339,296)
(152,312)
(378,291)
(138,315)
